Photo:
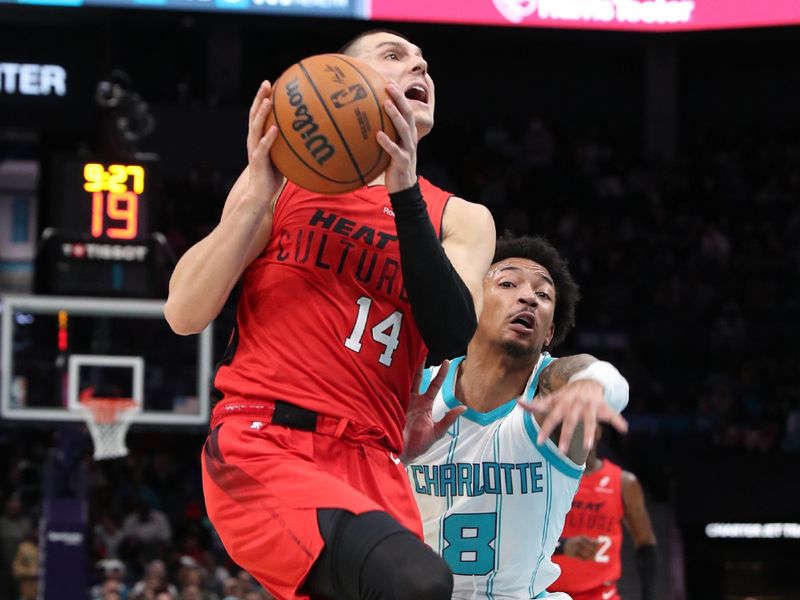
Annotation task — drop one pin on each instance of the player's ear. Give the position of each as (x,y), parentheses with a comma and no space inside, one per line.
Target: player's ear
(550,335)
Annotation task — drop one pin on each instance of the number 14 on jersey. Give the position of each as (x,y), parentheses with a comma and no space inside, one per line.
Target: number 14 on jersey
(386,333)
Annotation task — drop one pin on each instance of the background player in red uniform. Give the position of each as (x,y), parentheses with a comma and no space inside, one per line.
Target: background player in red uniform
(591,542)
(342,297)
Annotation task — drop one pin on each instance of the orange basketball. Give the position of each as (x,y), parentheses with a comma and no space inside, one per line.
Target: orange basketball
(328,109)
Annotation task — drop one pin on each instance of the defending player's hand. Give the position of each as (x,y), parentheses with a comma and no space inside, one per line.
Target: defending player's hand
(421,430)
(581,401)
(401,173)
(581,546)
(264,179)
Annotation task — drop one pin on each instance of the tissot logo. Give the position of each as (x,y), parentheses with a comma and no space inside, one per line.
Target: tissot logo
(113,252)
(32,80)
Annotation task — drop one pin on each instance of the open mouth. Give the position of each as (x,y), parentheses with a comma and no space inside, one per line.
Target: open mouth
(524,320)
(417,92)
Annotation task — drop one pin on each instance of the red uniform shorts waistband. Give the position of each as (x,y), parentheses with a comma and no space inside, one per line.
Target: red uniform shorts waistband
(279,412)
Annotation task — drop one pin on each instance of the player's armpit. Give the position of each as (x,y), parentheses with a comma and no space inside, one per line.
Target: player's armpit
(468,239)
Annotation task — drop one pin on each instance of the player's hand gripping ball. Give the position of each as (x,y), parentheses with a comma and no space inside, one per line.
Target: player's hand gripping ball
(328,109)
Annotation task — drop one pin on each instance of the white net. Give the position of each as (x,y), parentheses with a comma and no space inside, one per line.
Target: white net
(108,421)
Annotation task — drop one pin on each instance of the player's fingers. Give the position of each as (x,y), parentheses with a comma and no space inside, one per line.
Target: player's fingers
(418,379)
(400,101)
(255,129)
(541,404)
(571,418)
(262,149)
(447,421)
(437,382)
(398,155)
(404,124)
(263,92)
(589,425)
(551,421)
(617,421)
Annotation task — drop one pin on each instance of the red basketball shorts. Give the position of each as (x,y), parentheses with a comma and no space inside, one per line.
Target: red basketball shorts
(603,592)
(263,484)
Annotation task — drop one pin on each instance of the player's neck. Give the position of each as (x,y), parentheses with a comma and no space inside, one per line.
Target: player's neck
(488,379)
(592,464)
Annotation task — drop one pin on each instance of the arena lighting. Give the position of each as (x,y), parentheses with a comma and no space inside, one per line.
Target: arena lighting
(742,531)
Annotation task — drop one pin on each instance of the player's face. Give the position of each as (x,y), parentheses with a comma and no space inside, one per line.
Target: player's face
(519,300)
(401,61)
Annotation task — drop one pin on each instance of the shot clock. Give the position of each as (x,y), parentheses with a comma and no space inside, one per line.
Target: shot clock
(98,235)
(104,201)
(115,199)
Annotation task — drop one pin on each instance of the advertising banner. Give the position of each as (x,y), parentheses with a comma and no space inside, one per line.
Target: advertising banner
(631,15)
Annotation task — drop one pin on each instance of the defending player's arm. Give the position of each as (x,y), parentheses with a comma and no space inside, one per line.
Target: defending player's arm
(206,274)
(581,547)
(443,279)
(578,392)
(421,431)
(638,523)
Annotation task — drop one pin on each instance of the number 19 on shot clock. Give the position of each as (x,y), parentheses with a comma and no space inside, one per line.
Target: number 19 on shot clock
(115,191)
(118,201)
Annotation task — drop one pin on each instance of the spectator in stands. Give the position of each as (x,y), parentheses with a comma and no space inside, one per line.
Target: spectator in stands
(15,526)
(26,567)
(155,578)
(146,527)
(113,579)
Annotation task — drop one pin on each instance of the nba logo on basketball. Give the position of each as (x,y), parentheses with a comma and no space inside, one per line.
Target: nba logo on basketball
(348,95)
(515,10)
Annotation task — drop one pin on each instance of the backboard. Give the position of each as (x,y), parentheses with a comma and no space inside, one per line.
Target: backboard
(56,352)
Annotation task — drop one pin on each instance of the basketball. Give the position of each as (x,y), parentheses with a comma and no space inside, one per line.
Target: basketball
(328,109)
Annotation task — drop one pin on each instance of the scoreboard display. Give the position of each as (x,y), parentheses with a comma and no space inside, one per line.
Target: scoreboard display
(98,232)
(105,202)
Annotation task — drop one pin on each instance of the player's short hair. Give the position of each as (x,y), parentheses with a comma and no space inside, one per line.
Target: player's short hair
(350,47)
(539,250)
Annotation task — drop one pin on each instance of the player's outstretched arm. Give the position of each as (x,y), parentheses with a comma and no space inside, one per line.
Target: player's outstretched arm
(637,520)
(443,278)
(206,274)
(578,392)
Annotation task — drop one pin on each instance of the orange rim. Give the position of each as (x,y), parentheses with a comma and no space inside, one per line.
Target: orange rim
(106,410)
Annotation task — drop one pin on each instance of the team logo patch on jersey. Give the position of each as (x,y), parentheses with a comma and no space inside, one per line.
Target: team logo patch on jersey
(256,425)
(602,486)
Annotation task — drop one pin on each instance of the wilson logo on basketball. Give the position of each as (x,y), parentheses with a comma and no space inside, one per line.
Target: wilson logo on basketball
(304,124)
(338,75)
(354,93)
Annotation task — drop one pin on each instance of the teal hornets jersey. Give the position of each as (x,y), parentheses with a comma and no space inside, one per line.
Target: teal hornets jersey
(493,502)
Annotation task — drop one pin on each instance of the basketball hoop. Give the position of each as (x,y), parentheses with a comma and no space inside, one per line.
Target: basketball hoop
(108,420)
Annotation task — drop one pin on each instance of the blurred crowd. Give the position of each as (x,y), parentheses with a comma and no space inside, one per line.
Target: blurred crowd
(688,268)
(148,535)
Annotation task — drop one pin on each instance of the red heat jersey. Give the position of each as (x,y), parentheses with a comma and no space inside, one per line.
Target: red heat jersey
(597,511)
(323,320)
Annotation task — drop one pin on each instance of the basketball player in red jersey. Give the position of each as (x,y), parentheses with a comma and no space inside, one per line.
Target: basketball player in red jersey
(591,542)
(342,298)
